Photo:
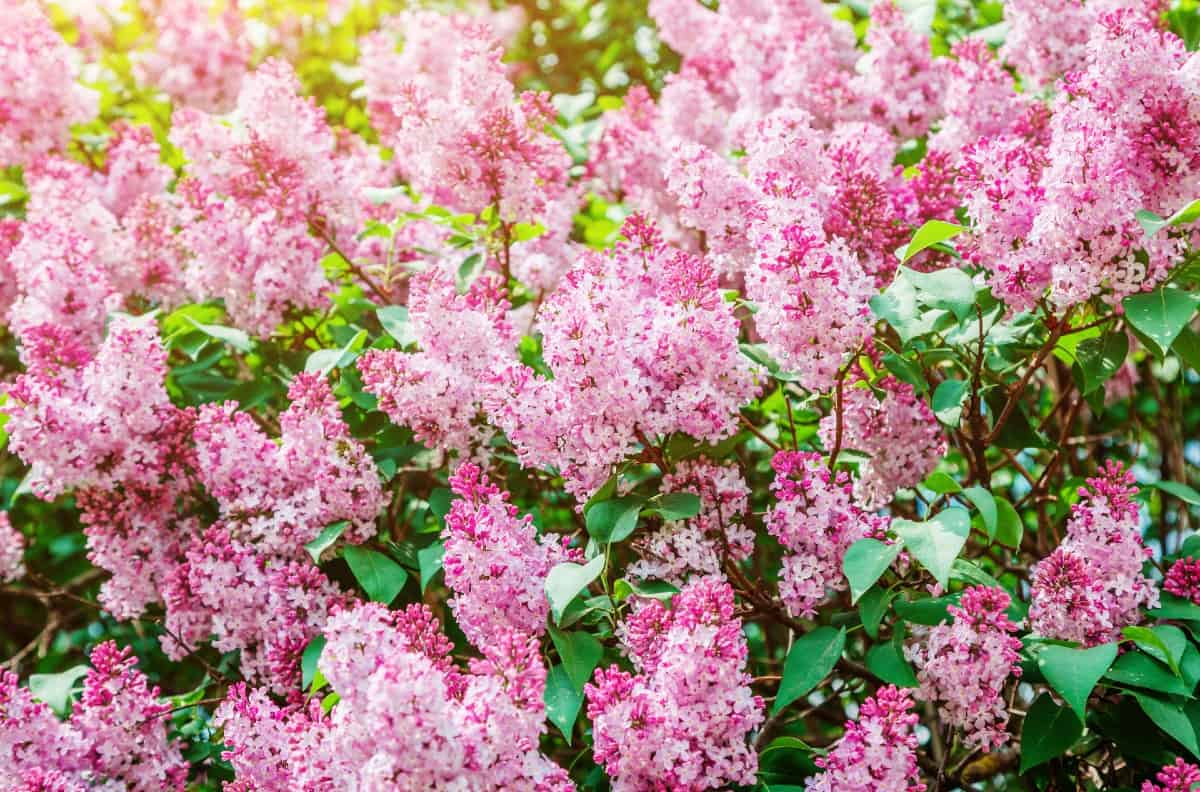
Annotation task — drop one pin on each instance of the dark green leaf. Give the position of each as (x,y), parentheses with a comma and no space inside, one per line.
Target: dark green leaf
(1171,718)
(309,659)
(1160,315)
(580,653)
(1100,358)
(325,539)
(614,520)
(948,401)
(380,576)
(1009,527)
(886,662)
(566,580)
(1153,644)
(1181,491)
(1075,672)
(429,562)
(810,660)
(871,609)
(1048,732)
(563,701)
(1138,670)
(865,561)
(678,506)
(936,542)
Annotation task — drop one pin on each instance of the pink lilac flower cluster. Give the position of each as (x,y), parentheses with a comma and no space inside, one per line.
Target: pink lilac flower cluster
(102,425)
(963,666)
(495,563)
(1179,777)
(878,752)
(199,58)
(439,390)
(39,96)
(257,184)
(1183,579)
(703,544)
(407,717)
(816,520)
(93,241)
(12,550)
(116,736)
(444,104)
(1092,585)
(640,345)
(681,720)
(898,433)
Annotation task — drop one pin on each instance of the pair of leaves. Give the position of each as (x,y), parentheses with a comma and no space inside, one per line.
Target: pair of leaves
(615,520)
(936,543)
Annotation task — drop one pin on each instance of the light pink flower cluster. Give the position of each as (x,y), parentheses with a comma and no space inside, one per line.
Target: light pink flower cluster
(116,737)
(93,239)
(878,752)
(12,550)
(898,432)
(816,521)
(702,544)
(1092,585)
(407,718)
(39,98)
(256,185)
(680,721)
(1179,777)
(495,563)
(640,346)
(102,426)
(1183,579)
(438,391)
(444,104)
(963,666)
(199,58)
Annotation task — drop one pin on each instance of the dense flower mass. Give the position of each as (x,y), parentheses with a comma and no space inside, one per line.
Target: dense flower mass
(877,752)
(964,666)
(116,737)
(1093,585)
(815,520)
(681,720)
(393,380)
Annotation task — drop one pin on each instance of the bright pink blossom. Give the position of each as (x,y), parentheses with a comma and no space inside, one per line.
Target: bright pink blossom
(878,752)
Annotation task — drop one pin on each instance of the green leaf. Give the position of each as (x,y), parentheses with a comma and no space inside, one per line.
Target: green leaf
(678,506)
(1048,732)
(1172,607)
(309,659)
(1181,491)
(324,361)
(394,319)
(872,607)
(885,661)
(380,576)
(985,503)
(429,562)
(1100,358)
(928,235)
(56,690)
(906,371)
(614,520)
(566,580)
(1171,718)
(865,561)
(936,542)
(1187,346)
(1160,315)
(948,401)
(325,539)
(929,611)
(1152,223)
(563,701)
(1153,644)
(1138,670)
(950,289)
(941,483)
(439,502)
(1075,672)
(238,339)
(580,653)
(1009,527)
(810,660)
(650,589)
